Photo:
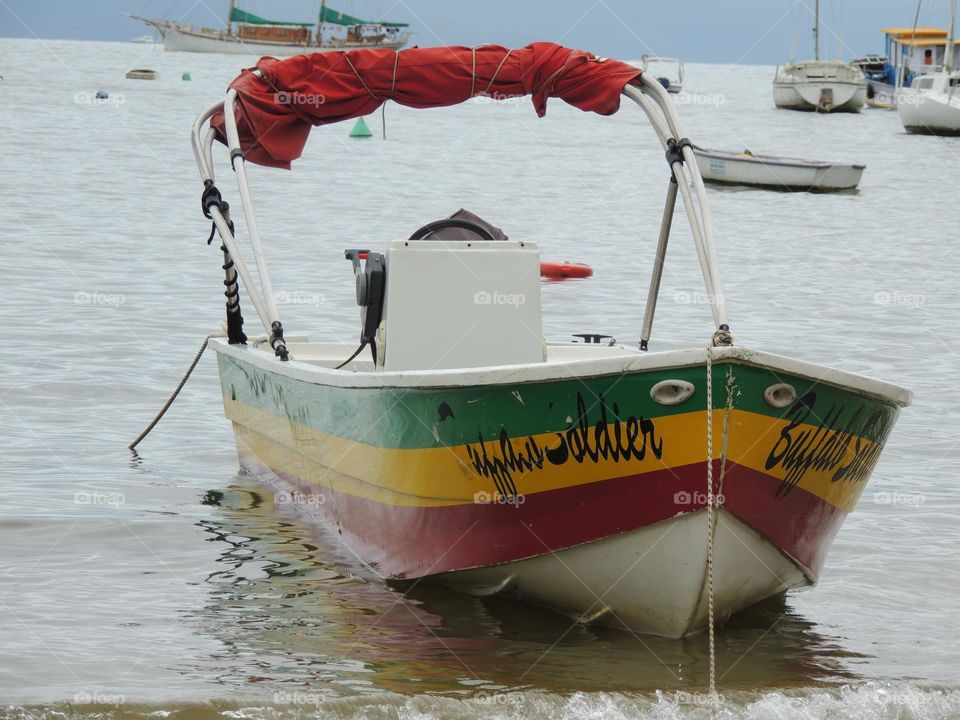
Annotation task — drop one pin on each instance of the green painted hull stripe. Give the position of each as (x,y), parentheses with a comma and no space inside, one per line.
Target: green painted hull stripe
(443,417)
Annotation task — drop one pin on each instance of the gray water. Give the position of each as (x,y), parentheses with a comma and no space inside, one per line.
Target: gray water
(165,582)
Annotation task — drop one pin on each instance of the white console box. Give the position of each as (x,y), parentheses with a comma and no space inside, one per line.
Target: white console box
(460,304)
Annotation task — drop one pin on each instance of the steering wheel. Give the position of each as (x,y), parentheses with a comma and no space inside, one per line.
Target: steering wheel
(470,225)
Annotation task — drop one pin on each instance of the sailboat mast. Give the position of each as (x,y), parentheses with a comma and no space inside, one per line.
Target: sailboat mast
(816,31)
(230,17)
(948,51)
(323,5)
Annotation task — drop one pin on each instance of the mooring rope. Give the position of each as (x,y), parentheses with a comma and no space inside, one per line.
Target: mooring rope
(713,500)
(710,524)
(183,381)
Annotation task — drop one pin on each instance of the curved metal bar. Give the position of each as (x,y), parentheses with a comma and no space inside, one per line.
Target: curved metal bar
(203,163)
(699,243)
(233,142)
(655,90)
(208,150)
(667,127)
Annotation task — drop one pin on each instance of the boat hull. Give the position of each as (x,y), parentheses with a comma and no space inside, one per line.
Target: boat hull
(180,40)
(777,173)
(492,487)
(826,96)
(929,113)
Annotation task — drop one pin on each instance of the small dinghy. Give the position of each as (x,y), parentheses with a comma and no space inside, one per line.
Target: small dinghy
(141,74)
(653,491)
(776,173)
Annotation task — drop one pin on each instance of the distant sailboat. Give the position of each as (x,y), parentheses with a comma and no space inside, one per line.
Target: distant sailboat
(820,85)
(249,34)
(931,106)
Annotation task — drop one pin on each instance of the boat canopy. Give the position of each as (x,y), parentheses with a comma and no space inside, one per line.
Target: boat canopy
(280,100)
(914,32)
(335,17)
(242,16)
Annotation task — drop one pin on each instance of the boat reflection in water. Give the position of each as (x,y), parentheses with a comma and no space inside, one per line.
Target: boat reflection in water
(297,614)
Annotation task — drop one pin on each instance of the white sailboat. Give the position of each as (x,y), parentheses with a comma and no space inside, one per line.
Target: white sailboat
(931,105)
(819,85)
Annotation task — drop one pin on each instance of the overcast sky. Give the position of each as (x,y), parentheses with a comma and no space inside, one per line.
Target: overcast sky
(745,31)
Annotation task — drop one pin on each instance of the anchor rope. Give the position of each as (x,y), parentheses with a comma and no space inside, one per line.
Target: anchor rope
(712,502)
(173,396)
(710,525)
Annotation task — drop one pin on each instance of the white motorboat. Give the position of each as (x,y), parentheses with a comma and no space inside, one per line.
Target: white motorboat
(820,85)
(931,105)
(666,71)
(649,490)
(776,173)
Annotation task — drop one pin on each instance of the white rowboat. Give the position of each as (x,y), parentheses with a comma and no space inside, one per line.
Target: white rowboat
(776,173)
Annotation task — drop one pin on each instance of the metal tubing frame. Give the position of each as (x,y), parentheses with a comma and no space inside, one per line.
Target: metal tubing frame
(652,99)
(655,102)
(653,293)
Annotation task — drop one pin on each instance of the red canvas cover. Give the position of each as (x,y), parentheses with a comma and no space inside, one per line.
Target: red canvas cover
(275,114)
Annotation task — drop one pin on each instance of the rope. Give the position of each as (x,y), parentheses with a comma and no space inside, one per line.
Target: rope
(372,94)
(183,381)
(496,72)
(714,500)
(473,73)
(710,526)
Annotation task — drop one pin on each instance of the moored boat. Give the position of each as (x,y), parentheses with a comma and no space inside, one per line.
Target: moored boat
(141,74)
(612,483)
(249,34)
(665,70)
(776,173)
(931,106)
(819,85)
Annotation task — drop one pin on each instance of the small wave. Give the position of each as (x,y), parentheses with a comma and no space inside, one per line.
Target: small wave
(868,701)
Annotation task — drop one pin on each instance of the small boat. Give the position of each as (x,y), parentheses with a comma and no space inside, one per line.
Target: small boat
(776,173)
(880,95)
(666,71)
(143,39)
(931,106)
(819,85)
(655,491)
(249,34)
(141,74)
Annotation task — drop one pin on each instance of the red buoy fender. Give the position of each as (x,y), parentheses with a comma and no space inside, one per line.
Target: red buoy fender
(564,270)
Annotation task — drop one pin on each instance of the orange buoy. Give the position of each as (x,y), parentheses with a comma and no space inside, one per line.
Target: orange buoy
(555,270)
